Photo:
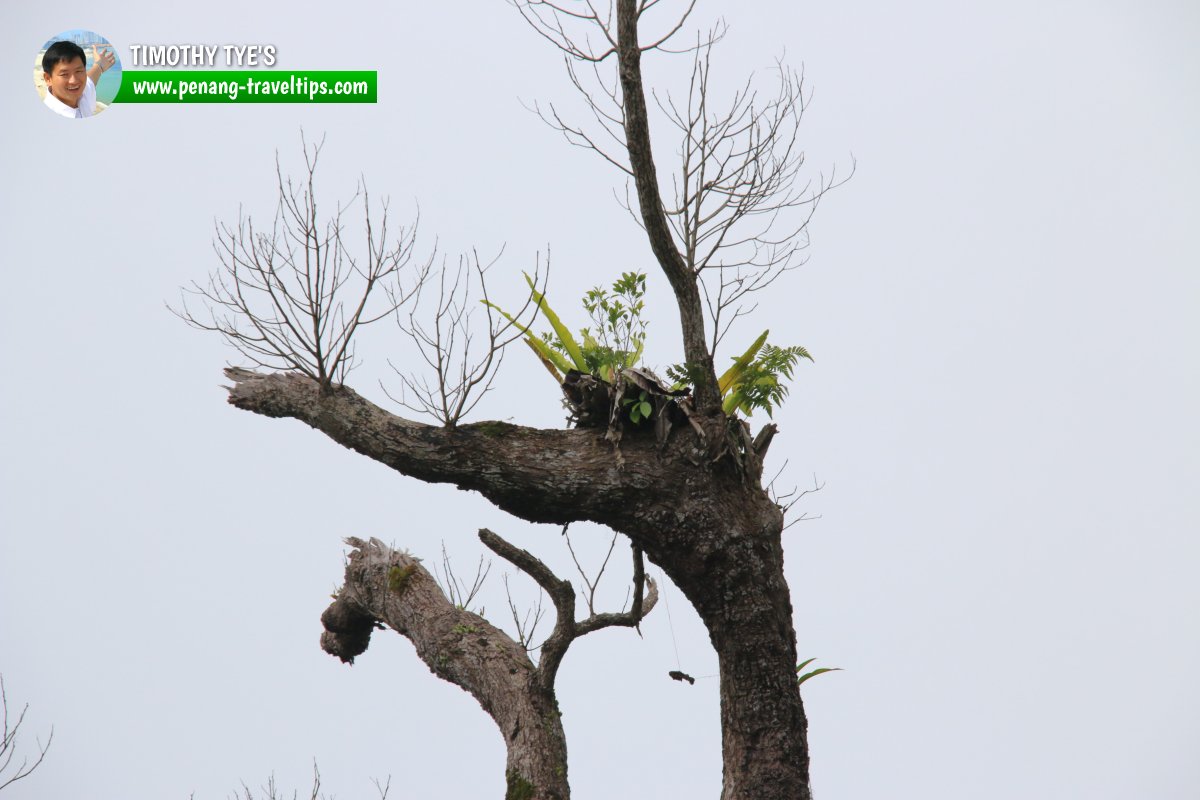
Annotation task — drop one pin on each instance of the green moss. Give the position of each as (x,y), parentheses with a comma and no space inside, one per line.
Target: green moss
(398,577)
(518,787)
(465,629)
(493,428)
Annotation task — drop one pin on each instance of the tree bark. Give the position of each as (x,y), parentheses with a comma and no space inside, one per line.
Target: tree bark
(654,218)
(390,587)
(712,530)
(746,607)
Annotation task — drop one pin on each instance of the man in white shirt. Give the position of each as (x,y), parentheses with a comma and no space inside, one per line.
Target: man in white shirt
(70,85)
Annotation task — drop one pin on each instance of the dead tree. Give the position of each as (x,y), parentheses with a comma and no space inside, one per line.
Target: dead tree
(728,222)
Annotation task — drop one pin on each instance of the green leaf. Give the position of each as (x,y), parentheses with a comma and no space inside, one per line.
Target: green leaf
(731,403)
(549,353)
(730,378)
(813,673)
(564,335)
(537,344)
(816,672)
(632,359)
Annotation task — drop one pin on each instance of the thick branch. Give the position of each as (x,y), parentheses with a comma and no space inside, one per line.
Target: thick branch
(391,587)
(538,475)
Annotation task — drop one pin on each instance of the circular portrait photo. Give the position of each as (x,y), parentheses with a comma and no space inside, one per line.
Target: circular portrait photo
(77,74)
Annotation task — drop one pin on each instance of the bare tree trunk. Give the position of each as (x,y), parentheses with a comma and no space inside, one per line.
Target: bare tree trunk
(745,604)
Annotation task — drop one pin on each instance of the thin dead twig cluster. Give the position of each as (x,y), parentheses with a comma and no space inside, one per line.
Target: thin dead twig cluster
(292,297)
(271,791)
(10,729)
(460,374)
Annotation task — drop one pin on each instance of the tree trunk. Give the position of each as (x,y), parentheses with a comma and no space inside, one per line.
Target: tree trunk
(745,604)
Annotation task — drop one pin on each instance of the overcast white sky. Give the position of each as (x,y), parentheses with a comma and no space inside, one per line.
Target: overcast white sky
(1002,305)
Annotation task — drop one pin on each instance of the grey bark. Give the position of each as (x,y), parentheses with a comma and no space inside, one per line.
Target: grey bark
(385,586)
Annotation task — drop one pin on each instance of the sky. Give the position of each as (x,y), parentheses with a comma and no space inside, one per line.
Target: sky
(1001,304)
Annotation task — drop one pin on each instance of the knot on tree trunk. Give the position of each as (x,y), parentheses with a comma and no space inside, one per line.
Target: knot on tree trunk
(347,630)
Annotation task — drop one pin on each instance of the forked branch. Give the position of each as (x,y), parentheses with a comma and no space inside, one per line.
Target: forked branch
(566,628)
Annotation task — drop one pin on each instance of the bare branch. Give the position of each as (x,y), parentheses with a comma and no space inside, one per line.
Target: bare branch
(527,625)
(572,31)
(789,499)
(448,344)
(619,109)
(292,299)
(588,581)
(739,207)
(561,593)
(566,629)
(270,790)
(458,592)
(645,597)
(10,729)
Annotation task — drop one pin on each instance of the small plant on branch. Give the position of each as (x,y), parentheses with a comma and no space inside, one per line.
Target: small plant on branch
(614,343)
(754,379)
(812,673)
(616,338)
